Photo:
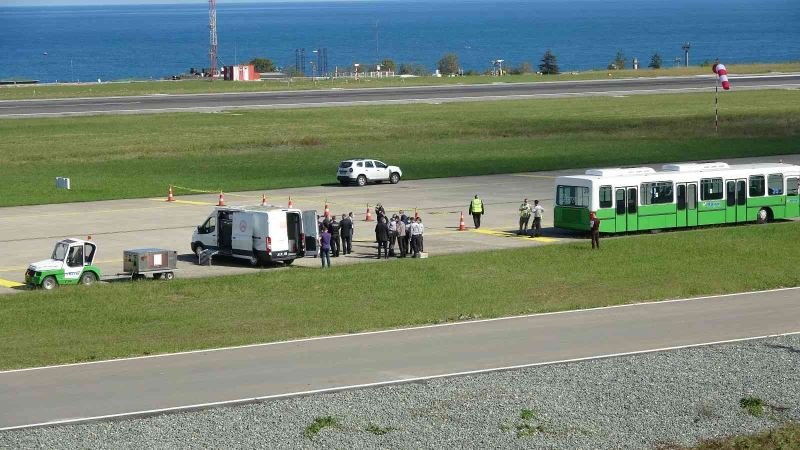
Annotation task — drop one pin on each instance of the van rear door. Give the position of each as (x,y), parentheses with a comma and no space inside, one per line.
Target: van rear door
(311,232)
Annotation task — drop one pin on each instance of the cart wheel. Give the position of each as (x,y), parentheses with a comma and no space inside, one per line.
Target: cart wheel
(168,275)
(88,278)
(49,283)
(157,276)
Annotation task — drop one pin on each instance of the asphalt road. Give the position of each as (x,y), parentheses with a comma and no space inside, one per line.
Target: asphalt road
(347,97)
(236,375)
(30,232)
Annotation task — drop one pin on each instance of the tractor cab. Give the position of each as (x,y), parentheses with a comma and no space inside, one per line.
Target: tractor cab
(70,263)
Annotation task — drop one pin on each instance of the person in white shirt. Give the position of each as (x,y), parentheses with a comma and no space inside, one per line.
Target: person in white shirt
(416,236)
(538,212)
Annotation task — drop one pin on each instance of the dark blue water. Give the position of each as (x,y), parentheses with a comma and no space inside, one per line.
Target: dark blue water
(118,42)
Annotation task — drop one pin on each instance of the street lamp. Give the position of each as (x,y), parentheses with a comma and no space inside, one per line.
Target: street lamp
(356,66)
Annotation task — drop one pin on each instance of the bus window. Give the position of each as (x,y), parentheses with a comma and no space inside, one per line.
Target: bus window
(620,201)
(756,185)
(775,184)
(681,197)
(691,200)
(605,197)
(792,186)
(711,189)
(572,196)
(731,192)
(657,193)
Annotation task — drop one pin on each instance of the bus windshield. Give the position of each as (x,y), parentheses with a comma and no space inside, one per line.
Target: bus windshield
(572,196)
(60,251)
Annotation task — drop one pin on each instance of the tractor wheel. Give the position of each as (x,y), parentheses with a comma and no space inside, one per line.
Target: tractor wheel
(88,278)
(49,283)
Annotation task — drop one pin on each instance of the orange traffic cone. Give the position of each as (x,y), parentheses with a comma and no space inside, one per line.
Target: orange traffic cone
(369,215)
(416,214)
(221,199)
(263,199)
(461,226)
(326,212)
(290,201)
(170,197)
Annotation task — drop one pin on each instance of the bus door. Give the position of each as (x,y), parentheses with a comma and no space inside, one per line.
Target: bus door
(691,205)
(741,200)
(792,197)
(680,210)
(632,209)
(621,203)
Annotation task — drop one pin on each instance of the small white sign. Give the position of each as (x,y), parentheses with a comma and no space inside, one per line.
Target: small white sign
(62,183)
(157,260)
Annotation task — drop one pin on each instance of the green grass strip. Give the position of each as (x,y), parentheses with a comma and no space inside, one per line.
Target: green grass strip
(106,321)
(114,157)
(786,436)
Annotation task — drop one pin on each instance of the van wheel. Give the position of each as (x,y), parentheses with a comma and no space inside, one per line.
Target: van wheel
(49,283)
(198,248)
(763,216)
(394,178)
(362,180)
(288,262)
(88,278)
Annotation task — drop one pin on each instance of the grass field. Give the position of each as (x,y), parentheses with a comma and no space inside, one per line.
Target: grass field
(111,157)
(786,437)
(123,319)
(206,86)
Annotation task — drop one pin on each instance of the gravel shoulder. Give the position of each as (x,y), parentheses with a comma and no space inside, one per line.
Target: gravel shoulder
(642,401)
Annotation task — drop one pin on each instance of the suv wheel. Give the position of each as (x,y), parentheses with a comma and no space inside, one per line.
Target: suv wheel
(394,178)
(362,180)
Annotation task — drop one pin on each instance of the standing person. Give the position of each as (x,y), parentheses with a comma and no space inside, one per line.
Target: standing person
(594,226)
(524,216)
(392,234)
(538,212)
(346,230)
(404,217)
(421,235)
(416,232)
(382,237)
(401,237)
(336,241)
(408,234)
(476,210)
(325,247)
(380,212)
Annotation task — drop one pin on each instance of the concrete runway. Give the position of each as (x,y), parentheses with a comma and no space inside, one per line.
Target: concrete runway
(349,97)
(30,232)
(150,385)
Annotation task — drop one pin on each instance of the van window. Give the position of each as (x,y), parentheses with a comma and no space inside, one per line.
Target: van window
(369,164)
(657,193)
(711,189)
(775,184)
(605,197)
(210,225)
(756,185)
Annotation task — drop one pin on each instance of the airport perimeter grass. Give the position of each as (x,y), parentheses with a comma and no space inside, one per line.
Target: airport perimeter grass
(206,86)
(112,156)
(787,437)
(123,319)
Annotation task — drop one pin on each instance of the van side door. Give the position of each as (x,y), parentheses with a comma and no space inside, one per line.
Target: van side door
(311,232)
(242,234)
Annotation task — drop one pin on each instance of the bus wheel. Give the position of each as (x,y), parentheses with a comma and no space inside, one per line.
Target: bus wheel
(763,216)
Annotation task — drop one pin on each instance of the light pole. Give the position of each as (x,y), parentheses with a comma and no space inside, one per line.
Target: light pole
(685,47)
(313,72)
(356,66)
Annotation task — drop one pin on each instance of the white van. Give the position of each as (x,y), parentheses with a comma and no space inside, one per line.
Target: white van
(258,234)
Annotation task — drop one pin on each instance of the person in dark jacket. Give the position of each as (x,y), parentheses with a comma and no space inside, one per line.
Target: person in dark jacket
(336,242)
(346,230)
(325,247)
(380,212)
(382,236)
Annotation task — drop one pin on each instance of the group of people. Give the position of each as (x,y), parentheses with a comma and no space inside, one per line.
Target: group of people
(526,211)
(335,237)
(400,229)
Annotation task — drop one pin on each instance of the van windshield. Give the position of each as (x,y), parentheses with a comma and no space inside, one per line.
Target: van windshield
(345,164)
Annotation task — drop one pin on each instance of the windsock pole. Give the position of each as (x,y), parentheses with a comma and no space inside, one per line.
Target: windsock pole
(716,106)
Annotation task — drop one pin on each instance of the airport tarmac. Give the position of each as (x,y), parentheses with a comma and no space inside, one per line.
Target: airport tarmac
(30,232)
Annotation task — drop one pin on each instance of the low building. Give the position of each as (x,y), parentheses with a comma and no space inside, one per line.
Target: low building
(240,73)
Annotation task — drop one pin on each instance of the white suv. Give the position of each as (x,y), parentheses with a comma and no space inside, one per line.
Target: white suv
(363,171)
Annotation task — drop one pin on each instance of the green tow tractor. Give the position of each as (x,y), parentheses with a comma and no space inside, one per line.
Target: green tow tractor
(72,263)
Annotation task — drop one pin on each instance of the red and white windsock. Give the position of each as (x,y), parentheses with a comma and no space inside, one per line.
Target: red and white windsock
(722,73)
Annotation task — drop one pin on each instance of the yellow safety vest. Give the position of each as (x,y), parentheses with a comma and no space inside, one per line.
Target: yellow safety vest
(477,206)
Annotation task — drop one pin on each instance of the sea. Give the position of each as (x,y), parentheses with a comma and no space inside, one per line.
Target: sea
(87,43)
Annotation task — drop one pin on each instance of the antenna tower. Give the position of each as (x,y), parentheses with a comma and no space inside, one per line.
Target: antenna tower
(212,26)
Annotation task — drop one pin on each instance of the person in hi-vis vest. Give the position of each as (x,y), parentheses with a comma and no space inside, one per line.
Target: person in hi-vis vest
(476,210)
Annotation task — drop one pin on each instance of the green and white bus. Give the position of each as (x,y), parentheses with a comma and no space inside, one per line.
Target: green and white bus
(678,196)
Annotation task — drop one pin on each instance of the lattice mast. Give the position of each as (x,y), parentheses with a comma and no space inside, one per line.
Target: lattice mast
(212,26)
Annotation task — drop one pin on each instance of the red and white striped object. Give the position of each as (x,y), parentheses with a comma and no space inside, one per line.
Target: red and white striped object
(722,73)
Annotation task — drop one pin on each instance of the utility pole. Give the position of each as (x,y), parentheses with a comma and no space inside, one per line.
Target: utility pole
(686,48)
(212,26)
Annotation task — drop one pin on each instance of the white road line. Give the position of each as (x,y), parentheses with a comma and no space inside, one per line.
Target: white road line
(392,101)
(398,330)
(379,383)
(83,104)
